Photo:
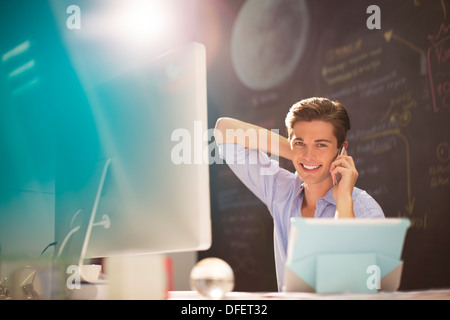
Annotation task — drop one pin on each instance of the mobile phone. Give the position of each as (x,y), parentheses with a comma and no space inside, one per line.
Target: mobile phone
(338,176)
(341,151)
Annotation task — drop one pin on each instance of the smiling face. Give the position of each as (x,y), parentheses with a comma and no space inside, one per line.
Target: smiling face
(314,148)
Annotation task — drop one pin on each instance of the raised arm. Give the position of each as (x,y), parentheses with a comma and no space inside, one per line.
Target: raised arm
(229,130)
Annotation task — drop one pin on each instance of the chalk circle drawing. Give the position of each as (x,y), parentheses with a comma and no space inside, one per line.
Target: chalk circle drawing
(268,41)
(443,152)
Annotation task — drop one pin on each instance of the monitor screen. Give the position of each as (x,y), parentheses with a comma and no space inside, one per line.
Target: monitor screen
(131,177)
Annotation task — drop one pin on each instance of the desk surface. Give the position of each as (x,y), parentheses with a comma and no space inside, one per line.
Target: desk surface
(99,292)
(439,294)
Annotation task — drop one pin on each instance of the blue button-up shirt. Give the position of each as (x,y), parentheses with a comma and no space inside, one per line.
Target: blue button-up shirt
(282,193)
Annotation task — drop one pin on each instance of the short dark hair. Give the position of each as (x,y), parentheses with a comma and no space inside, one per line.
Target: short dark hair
(322,109)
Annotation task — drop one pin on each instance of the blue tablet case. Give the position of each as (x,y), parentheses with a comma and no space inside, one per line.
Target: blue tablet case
(345,255)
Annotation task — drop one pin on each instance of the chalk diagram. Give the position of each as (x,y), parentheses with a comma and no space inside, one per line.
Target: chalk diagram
(355,69)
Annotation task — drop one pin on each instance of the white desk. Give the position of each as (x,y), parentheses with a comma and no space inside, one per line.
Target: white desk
(438,294)
(99,292)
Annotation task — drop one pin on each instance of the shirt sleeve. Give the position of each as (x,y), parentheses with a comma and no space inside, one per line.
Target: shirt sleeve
(364,206)
(260,174)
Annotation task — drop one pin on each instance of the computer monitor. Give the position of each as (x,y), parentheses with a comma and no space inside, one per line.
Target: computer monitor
(141,184)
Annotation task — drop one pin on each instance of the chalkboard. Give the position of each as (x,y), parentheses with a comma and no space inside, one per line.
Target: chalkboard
(395,82)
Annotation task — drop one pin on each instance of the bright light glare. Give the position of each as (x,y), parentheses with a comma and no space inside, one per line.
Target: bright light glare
(144,21)
(136,24)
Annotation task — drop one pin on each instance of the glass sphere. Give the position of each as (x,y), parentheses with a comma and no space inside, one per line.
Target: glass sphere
(212,278)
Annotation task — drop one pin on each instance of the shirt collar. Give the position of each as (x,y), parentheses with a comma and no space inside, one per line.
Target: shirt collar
(302,185)
(327,197)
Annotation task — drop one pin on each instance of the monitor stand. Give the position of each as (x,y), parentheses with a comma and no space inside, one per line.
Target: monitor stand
(85,270)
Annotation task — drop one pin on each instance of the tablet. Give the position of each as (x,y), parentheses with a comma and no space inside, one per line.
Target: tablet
(345,255)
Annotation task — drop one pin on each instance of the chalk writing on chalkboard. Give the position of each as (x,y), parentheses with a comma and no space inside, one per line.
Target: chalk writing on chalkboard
(440,172)
(439,68)
(409,206)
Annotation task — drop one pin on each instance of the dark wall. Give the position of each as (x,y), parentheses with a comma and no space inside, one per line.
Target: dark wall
(395,81)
